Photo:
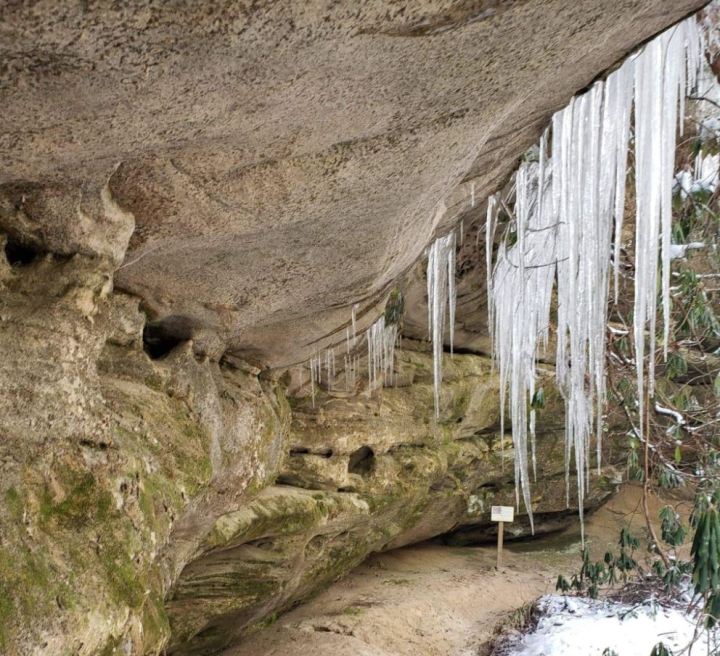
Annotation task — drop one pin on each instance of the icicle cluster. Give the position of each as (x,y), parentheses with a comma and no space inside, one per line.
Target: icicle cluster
(441,302)
(381,340)
(568,213)
(666,70)
(589,146)
(521,294)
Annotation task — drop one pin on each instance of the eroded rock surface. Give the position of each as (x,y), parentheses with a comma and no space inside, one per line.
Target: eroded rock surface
(112,466)
(177,502)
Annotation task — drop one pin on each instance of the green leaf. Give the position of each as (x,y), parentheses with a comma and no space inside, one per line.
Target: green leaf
(538,399)
(676,366)
(660,650)
(562,584)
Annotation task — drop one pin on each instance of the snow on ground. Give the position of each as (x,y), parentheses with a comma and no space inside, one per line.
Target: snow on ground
(570,626)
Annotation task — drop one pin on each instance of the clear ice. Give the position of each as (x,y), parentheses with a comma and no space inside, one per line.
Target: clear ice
(567,223)
(441,303)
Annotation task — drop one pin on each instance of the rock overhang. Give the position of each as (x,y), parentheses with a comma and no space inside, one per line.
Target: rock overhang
(259,168)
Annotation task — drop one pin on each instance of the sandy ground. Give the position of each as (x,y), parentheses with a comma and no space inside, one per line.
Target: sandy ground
(432,600)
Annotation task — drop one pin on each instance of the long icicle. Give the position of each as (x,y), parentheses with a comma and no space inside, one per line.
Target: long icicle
(441,301)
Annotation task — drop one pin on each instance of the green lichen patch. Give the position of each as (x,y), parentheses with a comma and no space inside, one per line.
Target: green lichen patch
(6,611)
(353,611)
(121,573)
(14,503)
(84,502)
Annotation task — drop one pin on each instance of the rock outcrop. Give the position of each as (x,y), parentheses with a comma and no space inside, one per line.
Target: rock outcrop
(364,475)
(181,500)
(113,467)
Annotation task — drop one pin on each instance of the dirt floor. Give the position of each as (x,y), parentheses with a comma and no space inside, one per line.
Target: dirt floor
(433,600)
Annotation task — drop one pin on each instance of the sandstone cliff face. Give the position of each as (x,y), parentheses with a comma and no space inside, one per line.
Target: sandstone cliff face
(113,466)
(180,501)
(227,182)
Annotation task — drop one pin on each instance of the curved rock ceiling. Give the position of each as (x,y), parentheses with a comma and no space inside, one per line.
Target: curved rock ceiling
(281,160)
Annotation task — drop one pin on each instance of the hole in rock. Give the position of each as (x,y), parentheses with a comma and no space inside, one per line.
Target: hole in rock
(262,543)
(162,336)
(209,632)
(93,444)
(444,485)
(362,461)
(324,452)
(292,480)
(18,254)
(316,544)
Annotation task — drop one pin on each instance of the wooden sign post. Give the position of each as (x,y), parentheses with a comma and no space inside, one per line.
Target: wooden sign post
(501,514)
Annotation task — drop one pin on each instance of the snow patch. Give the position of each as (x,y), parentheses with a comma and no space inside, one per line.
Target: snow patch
(584,627)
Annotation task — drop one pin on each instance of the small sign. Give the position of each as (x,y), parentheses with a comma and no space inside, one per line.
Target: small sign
(502,513)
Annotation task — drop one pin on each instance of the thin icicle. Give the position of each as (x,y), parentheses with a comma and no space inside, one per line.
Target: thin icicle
(620,94)
(354,323)
(491,216)
(312,381)
(490,223)
(315,374)
(441,299)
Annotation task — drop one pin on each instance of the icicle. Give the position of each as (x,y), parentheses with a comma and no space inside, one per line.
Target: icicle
(490,222)
(330,354)
(441,298)
(620,85)
(354,324)
(315,374)
(312,380)
(451,294)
